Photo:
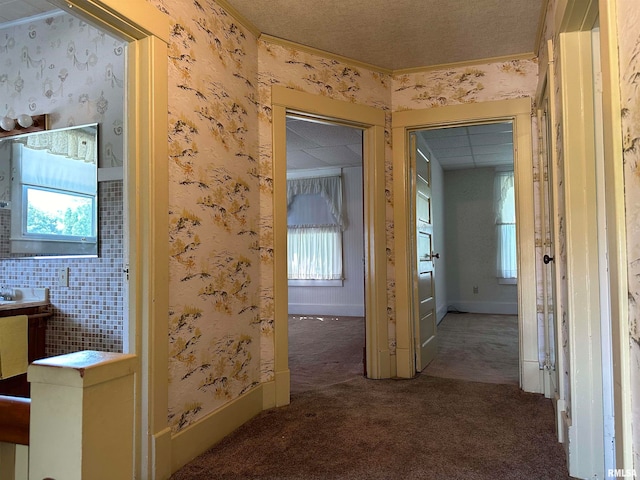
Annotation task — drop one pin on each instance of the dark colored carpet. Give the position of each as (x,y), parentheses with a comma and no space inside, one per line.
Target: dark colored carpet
(478,347)
(324,350)
(424,428)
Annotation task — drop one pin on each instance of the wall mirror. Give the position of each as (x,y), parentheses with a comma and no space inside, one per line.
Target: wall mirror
(49,193)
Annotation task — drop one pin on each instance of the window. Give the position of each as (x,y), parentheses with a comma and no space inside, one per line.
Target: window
(55,195)
(315,223)
(507,265)
(57,214)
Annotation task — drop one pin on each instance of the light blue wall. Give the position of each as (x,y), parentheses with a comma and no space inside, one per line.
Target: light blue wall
(471,244)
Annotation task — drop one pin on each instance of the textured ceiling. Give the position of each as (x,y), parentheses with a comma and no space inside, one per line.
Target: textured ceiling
(401,34)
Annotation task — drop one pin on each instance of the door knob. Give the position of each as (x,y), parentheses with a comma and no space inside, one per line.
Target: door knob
(547,259)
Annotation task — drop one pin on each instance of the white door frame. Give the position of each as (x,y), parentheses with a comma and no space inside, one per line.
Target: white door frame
(518,111)
(371,120)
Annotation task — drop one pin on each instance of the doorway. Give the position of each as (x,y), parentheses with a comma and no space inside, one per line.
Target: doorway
(515,111)
(473,237)
(325,242)
(371,120)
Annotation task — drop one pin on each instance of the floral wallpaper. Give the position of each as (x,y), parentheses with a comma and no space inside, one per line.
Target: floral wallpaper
(479,83)
(629,51)
(214,214)
(303,71)
(84,84)
(221,315)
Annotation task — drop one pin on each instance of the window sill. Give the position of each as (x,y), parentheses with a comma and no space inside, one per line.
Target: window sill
(316,283)
(507,281)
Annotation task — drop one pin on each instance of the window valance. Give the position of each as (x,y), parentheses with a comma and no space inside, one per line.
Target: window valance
(329,188)
(74,144)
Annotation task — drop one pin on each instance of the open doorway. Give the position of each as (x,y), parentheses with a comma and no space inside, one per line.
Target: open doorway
(471,176)
(326,278)
(518,112)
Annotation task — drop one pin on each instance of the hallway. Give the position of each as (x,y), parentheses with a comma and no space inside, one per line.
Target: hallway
(354,428)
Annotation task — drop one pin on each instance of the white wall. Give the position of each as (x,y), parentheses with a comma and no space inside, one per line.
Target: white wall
(471,244)
(348,299)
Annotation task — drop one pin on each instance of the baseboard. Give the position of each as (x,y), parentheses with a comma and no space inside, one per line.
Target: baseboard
(440,313)
(202,435)
(356,310)
(531,380)
(393,366)
(404,363)
(161,454)
(569,442)
(496,308)
(560,407)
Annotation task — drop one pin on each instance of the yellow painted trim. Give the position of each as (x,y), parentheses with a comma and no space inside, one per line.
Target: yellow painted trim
(135,19)
(146,180)
(371,120)
(322,53)
(402,71)
(582,276)
(241,19)
(541,23)
(518,110)
(466,63)
(202,435)
(617,235)
(405,346)
(280,283)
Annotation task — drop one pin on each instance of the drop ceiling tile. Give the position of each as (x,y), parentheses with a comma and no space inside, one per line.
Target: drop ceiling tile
(493,160)
(296,142)
(493,150)
(443,132)
(448,142)
(299,159)
(340,155)
(452,152)
(491,128)
(491,139)
(327,135)
(456,162)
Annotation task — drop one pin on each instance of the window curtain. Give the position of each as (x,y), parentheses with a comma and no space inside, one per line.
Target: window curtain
(505,207)
(315,221)
(75,144)
(329,188)
(315,253)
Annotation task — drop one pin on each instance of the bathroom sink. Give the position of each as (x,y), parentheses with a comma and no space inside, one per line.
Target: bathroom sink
(27,295)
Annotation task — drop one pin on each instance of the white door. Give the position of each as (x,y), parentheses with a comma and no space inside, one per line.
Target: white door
(549,273)
(424,307)
(553,364)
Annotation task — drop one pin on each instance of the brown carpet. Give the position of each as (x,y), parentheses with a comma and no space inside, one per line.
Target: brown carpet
(324,350)
(477,347)
(424,428)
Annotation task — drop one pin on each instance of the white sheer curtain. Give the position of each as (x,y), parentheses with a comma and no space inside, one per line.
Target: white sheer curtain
(315,253)
(507,266)
(315,220)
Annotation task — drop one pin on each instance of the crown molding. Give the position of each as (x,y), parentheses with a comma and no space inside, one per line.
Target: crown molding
(356,63)
(239,17)
(467,63)
(316,51)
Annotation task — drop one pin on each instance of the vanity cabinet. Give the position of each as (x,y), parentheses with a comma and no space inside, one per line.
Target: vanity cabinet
(38,314)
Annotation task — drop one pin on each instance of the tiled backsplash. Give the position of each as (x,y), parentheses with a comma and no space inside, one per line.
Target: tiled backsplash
(89,313)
